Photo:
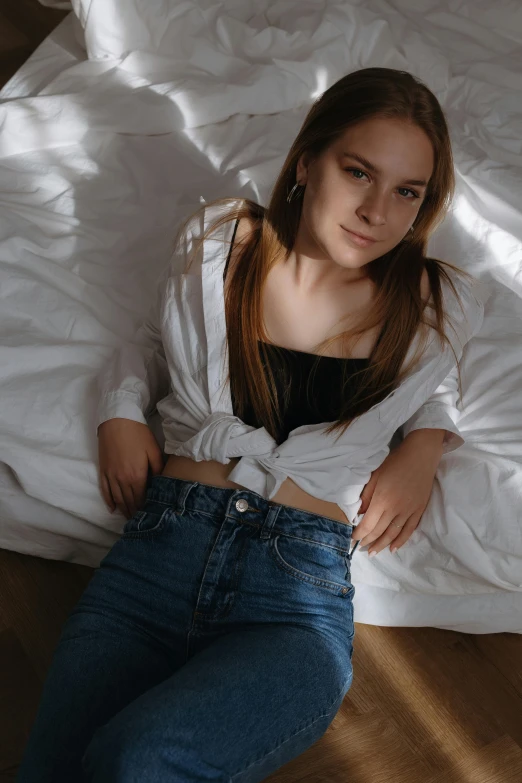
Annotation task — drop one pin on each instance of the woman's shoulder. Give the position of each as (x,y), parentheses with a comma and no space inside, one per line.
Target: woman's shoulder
(188,250)
(234,230)
(201,219)
(211,213)
(425,285)
(466,308)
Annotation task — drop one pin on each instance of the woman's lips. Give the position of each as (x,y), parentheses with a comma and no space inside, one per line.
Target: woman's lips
(359,240)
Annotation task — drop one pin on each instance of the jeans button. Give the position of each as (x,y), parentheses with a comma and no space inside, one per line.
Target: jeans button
(241,504)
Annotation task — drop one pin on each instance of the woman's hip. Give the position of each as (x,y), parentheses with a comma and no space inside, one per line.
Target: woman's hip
(198,559)
(216,474)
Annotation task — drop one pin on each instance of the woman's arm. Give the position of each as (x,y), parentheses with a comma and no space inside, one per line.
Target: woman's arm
(430,436)
(136,377)
(439,413)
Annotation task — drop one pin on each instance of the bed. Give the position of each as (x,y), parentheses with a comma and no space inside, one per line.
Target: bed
(120,124)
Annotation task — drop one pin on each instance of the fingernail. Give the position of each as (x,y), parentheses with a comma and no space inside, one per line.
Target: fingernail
(372,554)
(394,550)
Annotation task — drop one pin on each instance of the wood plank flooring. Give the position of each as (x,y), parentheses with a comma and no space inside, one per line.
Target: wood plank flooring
(23,26)
(426,705)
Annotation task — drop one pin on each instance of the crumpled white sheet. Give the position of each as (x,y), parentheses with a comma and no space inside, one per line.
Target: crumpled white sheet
(99,160)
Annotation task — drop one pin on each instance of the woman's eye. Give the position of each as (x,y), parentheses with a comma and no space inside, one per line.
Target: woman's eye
(414,195)
(358,171)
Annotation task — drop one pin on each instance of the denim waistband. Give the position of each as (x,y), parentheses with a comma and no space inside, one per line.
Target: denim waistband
(247,507)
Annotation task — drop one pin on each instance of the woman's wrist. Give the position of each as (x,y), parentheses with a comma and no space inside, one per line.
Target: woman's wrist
(431,441)
(428,433)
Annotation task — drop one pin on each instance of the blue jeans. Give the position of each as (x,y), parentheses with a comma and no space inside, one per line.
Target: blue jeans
(213,643)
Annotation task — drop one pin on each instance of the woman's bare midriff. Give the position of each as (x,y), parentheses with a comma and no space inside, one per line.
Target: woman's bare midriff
(215,474)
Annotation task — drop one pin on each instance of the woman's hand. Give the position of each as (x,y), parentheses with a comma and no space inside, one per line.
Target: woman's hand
(126,450)
(399,490)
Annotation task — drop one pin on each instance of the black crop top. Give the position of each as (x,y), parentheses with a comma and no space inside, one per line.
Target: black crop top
(317,386)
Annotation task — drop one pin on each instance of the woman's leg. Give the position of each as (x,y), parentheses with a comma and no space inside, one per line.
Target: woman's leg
(268,651)
(116,644)
(240,709)
(215,641)
(99,666)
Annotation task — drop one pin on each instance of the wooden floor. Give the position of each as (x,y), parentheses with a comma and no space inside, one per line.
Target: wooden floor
(426,706)
(23,26)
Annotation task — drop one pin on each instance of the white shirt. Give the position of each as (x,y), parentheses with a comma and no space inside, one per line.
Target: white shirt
(177,362)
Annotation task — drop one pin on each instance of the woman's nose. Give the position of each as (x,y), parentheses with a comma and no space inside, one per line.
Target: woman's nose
(375,208)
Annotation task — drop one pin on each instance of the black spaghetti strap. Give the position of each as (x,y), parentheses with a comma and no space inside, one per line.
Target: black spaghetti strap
(230,251)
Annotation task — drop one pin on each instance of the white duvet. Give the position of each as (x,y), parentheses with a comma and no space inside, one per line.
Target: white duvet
(128,115)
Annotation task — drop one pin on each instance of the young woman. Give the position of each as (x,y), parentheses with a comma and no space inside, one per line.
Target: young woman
(214,642)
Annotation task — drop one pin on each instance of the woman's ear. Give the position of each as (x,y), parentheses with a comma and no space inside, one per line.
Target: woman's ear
(301,174)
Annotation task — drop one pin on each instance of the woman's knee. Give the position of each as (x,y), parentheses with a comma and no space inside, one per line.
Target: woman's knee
(115,755)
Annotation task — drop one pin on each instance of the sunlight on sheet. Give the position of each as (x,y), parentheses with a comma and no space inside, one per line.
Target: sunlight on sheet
(322,83)
(500,244)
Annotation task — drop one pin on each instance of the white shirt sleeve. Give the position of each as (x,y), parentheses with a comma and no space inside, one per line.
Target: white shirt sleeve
(137,375)
(440,412)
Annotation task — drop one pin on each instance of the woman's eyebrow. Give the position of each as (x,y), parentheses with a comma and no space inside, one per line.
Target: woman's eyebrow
(370,166)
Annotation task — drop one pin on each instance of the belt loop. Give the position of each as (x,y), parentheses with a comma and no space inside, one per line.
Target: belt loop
(182,498)
(270,520)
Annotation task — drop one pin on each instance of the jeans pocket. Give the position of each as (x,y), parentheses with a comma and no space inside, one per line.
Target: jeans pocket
(316,563)
(149,522)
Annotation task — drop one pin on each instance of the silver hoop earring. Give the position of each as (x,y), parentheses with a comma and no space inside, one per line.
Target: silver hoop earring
(290,195)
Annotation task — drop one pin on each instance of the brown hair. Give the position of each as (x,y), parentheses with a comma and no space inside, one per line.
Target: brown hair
(361,95)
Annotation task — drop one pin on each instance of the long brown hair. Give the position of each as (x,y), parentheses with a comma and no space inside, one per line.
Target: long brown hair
(361,95)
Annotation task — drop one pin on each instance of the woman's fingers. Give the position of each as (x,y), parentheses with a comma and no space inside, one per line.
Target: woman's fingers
(139,489)
(120,499)
(106,492)
(127,496)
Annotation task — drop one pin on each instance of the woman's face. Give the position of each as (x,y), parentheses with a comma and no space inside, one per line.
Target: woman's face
(343,194)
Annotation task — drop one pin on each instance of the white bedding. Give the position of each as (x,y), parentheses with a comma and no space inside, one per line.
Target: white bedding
(107,141)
